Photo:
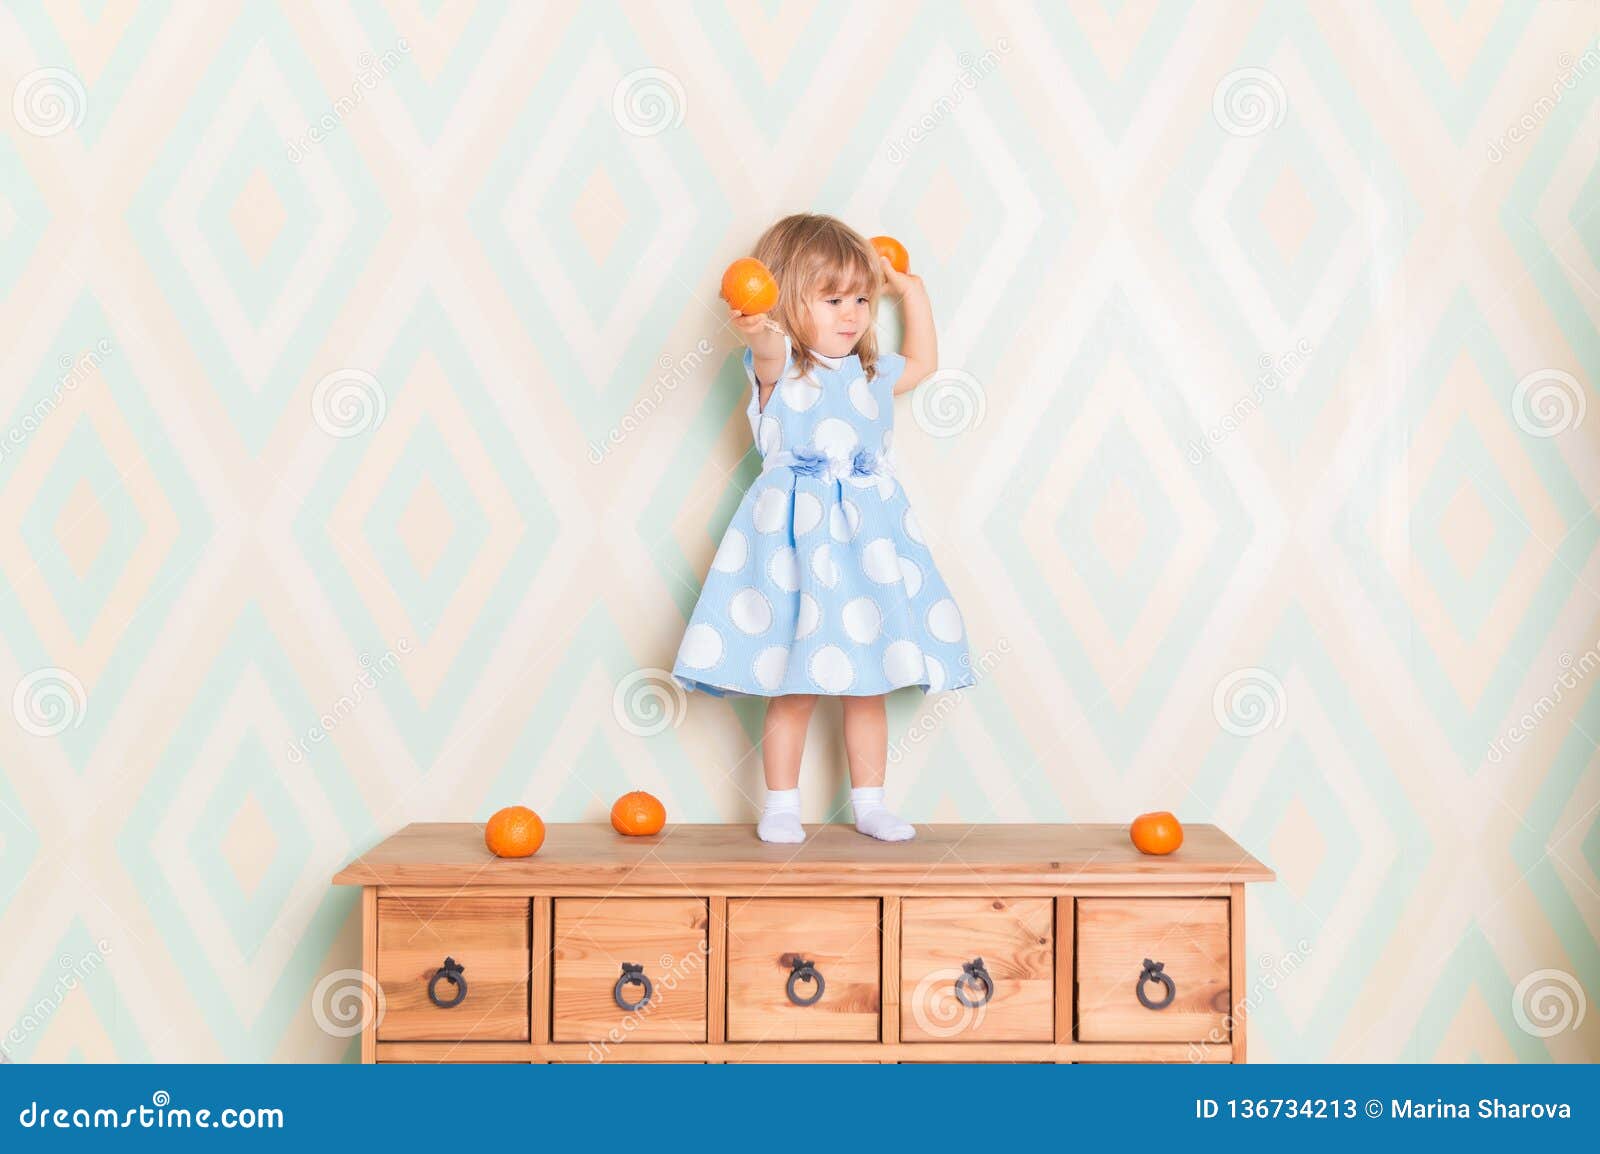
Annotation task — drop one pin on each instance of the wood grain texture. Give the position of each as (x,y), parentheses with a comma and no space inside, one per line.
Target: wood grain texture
(838,935)
(1066,971)
(593,937)
(717,973)
(801,1052)
(726,855)
(369,969)
(541,971)
(1239,981)
(487,936)
(1014,938)
(1189,935)
(889,918)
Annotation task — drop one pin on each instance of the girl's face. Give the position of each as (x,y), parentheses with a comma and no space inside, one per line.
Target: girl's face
(839,317)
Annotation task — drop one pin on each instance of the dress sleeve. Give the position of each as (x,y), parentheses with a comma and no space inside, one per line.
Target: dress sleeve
(891,366)
(754,409)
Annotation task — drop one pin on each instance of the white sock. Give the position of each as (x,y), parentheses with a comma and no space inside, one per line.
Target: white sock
(874,820)
(780,821)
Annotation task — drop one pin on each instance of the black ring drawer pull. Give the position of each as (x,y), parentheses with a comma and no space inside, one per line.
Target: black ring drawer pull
(805,971)
(973,974)
(1154,972)
(632,975)
(449,972)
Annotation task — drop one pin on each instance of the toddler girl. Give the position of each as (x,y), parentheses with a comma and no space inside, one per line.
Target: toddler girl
(823,583)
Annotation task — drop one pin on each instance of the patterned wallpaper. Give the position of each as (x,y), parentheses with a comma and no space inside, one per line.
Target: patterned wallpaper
(370,423)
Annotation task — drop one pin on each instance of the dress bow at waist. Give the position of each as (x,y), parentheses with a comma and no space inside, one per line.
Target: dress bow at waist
(863,463)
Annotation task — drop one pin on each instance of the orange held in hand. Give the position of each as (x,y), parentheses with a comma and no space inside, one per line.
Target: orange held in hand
(893,251)
(515,831)
(1156,833)
(749,287)
(638,813)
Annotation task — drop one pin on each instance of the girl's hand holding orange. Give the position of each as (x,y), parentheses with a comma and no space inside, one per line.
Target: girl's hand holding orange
(749,287)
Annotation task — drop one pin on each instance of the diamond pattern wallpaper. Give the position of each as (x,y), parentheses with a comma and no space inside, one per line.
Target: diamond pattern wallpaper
(371,419)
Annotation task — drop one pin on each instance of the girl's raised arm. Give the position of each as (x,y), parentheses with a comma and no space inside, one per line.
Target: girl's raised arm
(920,343)
(766,349)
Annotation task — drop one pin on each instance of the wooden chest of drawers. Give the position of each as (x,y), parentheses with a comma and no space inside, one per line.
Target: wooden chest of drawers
(1054,943)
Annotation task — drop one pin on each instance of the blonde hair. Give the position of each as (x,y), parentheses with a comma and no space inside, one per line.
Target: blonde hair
(811,252)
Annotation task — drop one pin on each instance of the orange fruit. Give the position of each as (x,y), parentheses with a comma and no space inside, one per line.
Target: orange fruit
(892,249)
(749,287)
(515,831)
(638,813)
(1156,833)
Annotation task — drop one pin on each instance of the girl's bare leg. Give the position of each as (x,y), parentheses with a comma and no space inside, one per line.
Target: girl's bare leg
(866,744)
(783,740)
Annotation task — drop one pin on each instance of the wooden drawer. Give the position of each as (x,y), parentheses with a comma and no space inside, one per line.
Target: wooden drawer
(486,936)
(947,948)
(1188,937)
(768,936)
(596,937)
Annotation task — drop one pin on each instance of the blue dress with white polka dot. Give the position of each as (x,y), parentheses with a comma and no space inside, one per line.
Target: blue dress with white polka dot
(823,582)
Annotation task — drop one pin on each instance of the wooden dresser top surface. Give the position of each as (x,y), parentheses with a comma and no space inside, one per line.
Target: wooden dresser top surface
(687,856)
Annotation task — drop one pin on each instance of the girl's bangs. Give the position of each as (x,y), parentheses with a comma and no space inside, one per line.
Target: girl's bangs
(841,267)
